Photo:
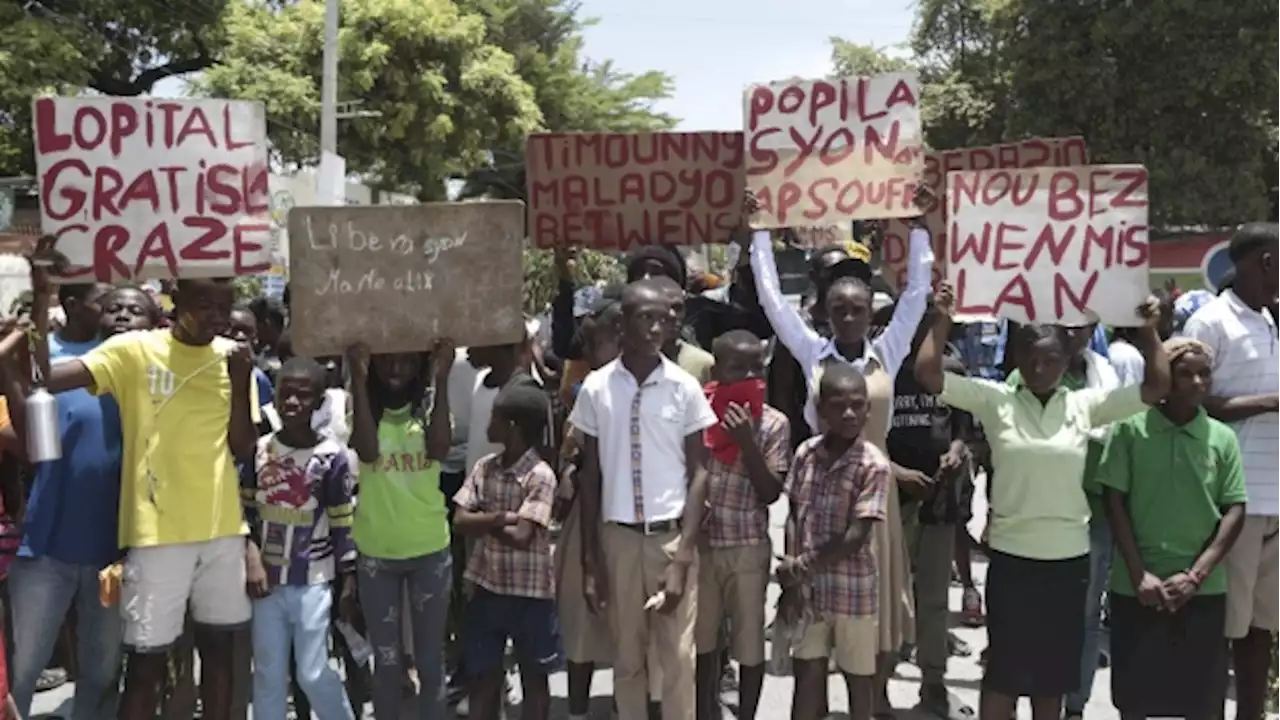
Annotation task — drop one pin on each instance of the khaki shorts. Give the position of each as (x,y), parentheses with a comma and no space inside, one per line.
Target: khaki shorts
(852,640)
(162,582)
(1253,578)
(732,583)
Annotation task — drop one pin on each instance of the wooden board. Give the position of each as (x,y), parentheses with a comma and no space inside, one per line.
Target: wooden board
(398,277)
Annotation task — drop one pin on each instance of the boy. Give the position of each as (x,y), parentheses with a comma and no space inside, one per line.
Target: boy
(838,490)
(642,489)
(185,397)
(507,500)
(304,501)
(750,457)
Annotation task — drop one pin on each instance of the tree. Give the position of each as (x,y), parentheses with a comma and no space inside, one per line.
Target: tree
(573,93)
(115,47)
(444,93)
(1187,89)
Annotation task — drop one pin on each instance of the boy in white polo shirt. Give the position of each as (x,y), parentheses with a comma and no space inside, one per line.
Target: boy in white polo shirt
(1240,326)
(642,487)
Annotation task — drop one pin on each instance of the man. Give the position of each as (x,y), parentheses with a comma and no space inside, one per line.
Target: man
(69,531)
(929,440)
(186,412)
(1240,326)
(643,489)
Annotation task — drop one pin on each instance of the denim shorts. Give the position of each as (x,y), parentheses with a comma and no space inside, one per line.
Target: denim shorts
(530,623)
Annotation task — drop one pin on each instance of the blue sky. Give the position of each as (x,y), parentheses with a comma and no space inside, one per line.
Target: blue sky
(715,48)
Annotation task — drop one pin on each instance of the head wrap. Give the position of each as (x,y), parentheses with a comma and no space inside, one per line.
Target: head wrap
(1177,347)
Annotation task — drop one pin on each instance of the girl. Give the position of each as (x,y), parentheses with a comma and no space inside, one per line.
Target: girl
(401,433)
(1174,487)
(1038,534)
(848,311)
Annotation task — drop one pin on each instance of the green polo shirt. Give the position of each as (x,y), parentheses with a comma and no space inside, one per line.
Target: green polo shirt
(1038,504)
(1178,479)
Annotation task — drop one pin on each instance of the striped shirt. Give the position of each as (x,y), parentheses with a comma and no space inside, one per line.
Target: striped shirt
(304,504)
(1245,362)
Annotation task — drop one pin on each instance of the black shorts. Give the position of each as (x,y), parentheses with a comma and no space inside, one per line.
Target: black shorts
(1035,624)
(1168,664)
(531,624)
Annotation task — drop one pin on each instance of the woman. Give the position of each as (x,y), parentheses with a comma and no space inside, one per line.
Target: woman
(848,309)
(1174,486)
(1038,534)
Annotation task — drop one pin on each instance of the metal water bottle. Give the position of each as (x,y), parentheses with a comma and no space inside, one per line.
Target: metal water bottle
(44,441)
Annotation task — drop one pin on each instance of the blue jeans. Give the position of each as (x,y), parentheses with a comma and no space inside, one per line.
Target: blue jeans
(41,591)
(295,617)
(1100,549)
(382,585)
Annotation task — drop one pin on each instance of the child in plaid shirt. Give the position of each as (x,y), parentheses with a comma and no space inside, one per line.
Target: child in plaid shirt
(507,501)
(750,456)
(838,490)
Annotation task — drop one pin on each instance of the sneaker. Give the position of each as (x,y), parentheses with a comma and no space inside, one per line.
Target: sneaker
(51,679)
(971,608)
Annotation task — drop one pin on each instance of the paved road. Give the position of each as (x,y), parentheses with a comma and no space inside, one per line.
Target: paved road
(963,674)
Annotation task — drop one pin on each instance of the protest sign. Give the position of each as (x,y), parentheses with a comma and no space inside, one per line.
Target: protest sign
(149,187)
(397,277)
(821,152)
(1049,245)
(614,190)
(1050,152)
(814,238)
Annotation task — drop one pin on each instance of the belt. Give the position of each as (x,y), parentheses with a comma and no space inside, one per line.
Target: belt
(657,527)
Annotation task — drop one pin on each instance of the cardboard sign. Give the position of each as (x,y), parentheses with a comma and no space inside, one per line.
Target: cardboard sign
(397,277)
(614,190)
(1049,245)
(1052,152)
(814,238)
(822,152)
(149,187)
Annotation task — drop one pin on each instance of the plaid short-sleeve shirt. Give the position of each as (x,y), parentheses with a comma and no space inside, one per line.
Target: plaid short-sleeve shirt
(826,496)
(527,488)
(736,516)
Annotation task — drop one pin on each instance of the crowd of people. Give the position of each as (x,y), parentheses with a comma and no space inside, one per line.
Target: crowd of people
(422,521)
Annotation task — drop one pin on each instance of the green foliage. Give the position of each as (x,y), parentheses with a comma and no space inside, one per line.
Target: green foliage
(1187,89)
(540,282)
(445,94)
(247,288)
(116,47)
(573,94)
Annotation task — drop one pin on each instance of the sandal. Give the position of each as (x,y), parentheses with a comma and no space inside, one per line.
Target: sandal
(971,608)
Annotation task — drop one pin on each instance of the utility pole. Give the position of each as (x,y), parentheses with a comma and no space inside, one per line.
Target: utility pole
(329,81)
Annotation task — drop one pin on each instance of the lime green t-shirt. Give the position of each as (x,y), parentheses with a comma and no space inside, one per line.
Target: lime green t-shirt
(1178,478)
(1093,455)
(400,510)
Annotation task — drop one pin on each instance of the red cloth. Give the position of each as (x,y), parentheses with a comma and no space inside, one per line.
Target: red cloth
(745,392)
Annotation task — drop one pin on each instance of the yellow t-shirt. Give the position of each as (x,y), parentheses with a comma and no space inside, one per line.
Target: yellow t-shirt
(179,482)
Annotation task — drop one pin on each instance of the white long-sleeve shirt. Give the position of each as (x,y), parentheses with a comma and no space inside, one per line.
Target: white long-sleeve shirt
(810,349)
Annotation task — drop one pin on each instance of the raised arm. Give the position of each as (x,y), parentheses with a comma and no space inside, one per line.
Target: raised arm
(894,344)
(364,427)
(928,370)
(440,425)
(1155,372)
(791,330)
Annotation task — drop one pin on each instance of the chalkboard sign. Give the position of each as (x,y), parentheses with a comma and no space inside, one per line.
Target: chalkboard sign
(399,277)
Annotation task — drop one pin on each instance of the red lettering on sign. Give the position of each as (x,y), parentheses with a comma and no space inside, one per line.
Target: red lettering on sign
(614,190)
